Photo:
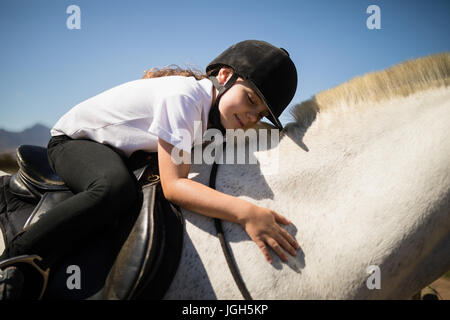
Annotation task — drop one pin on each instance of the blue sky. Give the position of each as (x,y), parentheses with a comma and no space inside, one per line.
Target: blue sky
(47,68)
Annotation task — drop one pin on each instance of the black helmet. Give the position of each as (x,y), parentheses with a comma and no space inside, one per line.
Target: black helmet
(269,70)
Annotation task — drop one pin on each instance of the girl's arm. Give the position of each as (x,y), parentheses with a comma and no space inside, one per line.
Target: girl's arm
(260,223)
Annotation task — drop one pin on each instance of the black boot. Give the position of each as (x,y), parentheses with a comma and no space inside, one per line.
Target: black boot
(11,283)
(23,278)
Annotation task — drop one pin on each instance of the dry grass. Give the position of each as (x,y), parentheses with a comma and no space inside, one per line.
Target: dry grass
(400,80)
(8,163)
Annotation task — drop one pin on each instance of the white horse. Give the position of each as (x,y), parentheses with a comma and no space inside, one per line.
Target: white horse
(364,174)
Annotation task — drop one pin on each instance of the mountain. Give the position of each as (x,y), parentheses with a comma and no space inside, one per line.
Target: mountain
(36,135)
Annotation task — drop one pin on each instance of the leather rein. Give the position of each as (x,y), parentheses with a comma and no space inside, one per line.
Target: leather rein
(225,248)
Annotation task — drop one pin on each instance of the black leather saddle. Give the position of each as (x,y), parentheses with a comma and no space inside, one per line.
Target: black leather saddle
(35,176)
(137,258)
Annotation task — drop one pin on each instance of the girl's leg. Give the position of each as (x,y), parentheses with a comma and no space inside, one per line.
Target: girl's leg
(103,188)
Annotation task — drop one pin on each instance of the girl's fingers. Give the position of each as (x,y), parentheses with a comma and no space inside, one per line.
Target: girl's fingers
(278,250)
(289,238)
(270,234)
(264,250)
(286,245)
(284,235)
(277,246)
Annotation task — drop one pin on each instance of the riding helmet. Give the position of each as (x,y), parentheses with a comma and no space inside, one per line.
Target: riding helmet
(268,69)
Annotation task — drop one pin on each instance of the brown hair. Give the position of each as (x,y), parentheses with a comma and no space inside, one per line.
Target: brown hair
(173,70)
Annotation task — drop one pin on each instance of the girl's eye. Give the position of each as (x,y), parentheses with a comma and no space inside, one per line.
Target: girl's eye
(261,114)
(250,99)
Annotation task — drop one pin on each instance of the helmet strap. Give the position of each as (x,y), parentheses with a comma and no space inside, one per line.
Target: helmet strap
(214,114)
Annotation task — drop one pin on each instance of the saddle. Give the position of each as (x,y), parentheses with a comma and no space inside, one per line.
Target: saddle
(134,259)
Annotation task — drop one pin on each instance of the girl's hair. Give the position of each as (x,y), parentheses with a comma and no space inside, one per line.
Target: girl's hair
(174,70)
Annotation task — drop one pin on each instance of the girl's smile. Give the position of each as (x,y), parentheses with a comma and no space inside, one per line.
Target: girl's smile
(239,121)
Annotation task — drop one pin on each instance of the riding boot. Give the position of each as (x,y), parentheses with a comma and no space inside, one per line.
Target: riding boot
(23,277)
(11,283)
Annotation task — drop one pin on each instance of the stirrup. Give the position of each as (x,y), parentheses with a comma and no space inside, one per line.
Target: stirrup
(29,260)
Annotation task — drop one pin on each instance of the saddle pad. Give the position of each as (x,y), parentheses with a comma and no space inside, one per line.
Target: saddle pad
(14,211)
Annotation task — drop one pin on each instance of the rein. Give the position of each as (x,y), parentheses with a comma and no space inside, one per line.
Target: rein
(226,250)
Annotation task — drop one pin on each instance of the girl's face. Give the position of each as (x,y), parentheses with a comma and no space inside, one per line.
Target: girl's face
(239,106)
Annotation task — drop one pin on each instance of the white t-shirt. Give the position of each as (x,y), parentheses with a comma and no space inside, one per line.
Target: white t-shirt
(133,115)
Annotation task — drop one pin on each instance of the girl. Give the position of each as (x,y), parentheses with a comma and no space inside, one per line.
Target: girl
(90,144)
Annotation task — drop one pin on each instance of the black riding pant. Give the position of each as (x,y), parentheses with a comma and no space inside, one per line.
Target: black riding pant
(103,186)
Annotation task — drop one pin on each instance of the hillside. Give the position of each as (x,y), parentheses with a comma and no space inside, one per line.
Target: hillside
(36,135)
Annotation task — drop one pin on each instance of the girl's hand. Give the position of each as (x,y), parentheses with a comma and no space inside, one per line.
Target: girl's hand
(262,226)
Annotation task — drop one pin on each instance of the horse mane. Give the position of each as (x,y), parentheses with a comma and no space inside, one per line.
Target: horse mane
(403,79)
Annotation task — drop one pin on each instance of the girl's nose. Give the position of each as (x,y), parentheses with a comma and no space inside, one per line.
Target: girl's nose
(252,116)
